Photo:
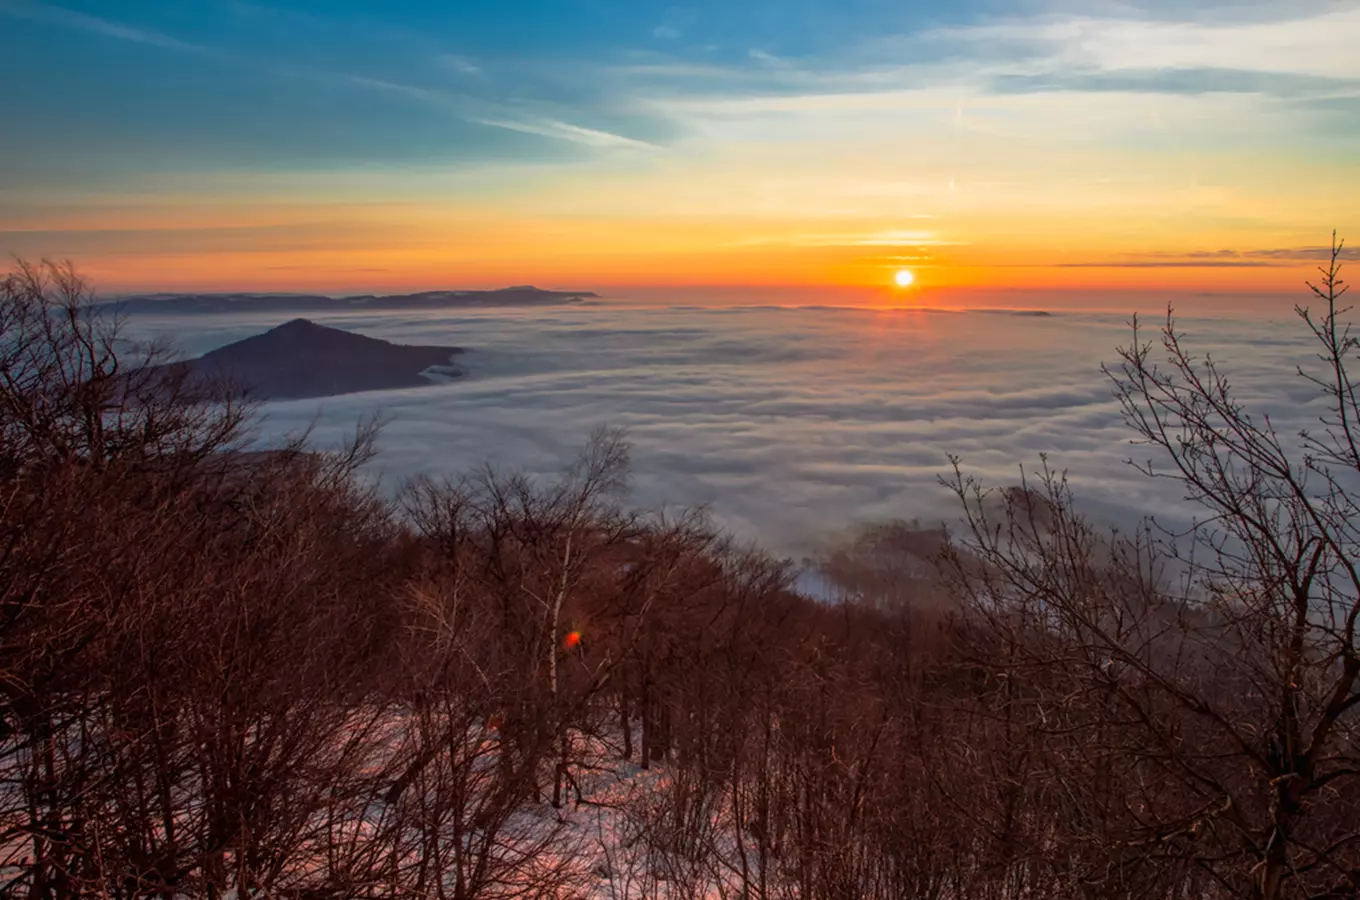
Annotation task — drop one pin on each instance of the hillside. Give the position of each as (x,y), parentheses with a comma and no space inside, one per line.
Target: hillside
(303,359)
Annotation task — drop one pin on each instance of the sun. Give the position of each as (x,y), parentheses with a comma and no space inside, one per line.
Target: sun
(904,278)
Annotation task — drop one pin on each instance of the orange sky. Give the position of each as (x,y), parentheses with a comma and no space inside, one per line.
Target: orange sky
(725,220)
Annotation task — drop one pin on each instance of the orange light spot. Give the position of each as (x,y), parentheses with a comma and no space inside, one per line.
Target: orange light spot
(572,640)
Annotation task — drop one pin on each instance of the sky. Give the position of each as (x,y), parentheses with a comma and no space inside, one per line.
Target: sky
(410,144)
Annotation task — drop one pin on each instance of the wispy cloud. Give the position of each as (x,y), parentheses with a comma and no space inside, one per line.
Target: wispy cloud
(1321,44)
(293,236)
(1219,259)
(328,267)
(877,239)
(888,239)
(482,112)
(1304,55)
(674,25)
(460,64)
(56,15)
(472,109)
(1182,81)
(1302,253)
(1171,264)
(565,131)
(764,57)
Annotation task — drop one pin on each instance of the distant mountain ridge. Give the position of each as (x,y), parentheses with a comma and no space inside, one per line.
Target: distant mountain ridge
(301,359)
(521,295)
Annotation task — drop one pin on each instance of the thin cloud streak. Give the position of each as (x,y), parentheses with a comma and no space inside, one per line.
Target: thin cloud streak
(566,131)
(1171,264)
(492,115)
(1309,56)
(1322,44)
(56,15)
(1225,259)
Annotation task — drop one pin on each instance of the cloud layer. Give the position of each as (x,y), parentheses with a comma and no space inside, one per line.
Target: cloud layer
(793,424)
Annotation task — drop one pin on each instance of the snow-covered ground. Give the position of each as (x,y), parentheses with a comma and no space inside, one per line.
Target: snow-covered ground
(614,842)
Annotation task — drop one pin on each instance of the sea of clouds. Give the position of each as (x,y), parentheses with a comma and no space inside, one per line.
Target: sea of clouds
(792,424)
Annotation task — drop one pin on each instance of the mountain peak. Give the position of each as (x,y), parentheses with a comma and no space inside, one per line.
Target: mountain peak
(302,358)
(298,324)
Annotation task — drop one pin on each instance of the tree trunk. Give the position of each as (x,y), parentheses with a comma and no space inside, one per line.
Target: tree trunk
(647,724)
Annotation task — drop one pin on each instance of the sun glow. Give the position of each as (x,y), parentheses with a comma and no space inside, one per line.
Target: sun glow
(904,278)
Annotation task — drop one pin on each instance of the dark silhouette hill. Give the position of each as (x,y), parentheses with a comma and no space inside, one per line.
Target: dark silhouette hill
(303,359)
(523,295)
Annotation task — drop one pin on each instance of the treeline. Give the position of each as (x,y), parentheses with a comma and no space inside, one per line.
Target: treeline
(230,672)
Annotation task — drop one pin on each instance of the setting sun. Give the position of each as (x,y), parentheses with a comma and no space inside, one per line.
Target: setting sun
(904,278)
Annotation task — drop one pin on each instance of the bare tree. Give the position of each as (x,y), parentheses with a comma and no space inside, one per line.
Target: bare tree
(1211,676)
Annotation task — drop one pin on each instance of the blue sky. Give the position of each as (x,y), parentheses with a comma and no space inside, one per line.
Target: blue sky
(248,84)
(225,82)
(593,107)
